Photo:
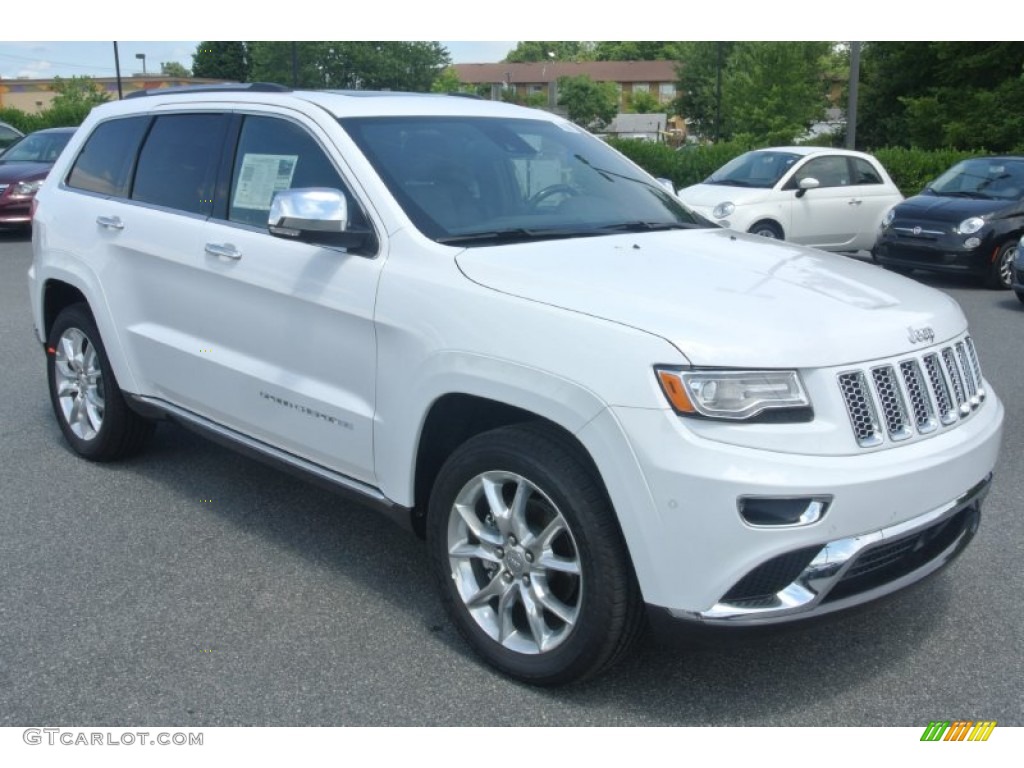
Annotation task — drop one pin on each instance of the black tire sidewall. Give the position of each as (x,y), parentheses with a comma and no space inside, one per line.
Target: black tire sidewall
(103,444)
(604,566)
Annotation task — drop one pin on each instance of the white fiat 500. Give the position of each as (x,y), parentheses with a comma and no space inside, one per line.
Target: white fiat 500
(833,199)
(485,322)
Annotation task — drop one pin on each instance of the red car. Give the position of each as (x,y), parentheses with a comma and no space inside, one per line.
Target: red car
(22,170)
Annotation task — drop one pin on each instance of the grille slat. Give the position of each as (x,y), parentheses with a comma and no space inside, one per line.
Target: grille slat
(914,397)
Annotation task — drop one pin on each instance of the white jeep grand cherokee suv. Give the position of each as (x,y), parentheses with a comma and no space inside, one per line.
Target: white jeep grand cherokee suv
(483,320)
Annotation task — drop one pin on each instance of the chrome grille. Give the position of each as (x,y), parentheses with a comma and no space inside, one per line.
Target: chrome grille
(914,396)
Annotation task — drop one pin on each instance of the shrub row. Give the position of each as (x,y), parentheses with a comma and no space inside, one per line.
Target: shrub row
(911,169)
(54,117)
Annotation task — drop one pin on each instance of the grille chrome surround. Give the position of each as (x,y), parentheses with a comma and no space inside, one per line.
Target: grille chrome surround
(916,396)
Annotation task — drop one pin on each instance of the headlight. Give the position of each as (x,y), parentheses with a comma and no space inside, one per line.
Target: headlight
(971,225)
(735,395)
(26,188)
(722,210)
(887,219)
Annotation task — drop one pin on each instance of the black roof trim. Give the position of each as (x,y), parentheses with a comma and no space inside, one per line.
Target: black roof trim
(212,88)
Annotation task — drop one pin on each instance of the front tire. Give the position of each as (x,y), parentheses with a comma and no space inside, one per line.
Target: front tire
(529,558)
(84,393)
(768,229)
(1000,276)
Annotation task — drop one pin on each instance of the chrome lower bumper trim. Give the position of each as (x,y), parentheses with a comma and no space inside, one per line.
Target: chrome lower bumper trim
(804,597)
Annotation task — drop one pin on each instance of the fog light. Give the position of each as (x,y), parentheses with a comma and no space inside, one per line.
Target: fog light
(972,242)
(775,512)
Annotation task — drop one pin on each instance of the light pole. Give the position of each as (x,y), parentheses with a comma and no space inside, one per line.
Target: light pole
(143,57)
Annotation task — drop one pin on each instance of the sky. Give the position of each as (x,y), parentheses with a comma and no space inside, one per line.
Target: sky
(73,22)
(96,59)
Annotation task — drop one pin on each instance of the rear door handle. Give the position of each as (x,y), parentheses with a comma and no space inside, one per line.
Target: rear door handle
(225,251)
(856,201)
(110,222)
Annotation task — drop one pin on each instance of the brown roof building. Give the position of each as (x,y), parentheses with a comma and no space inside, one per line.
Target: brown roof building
(527,79)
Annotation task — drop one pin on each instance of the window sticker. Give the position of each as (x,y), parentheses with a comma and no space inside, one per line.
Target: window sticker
(261,176)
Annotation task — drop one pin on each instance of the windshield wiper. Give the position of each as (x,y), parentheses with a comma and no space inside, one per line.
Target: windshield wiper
(731,182)
(516,234)
(971,195)
(646,226)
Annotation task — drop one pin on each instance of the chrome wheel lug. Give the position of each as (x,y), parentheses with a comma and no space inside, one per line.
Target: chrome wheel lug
(511,541)
(529,557)
(507,576)
(500,552)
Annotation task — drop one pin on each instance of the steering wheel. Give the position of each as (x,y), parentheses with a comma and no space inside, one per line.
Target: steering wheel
(554,189)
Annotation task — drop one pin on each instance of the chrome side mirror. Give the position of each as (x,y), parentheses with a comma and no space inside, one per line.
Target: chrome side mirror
(320,216)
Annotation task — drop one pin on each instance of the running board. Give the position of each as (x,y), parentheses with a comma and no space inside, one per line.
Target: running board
(294,465)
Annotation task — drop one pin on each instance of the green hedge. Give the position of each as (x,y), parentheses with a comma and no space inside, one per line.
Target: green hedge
(911,169)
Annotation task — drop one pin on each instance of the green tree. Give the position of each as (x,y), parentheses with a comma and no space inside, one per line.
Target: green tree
(447,82)
(74,98)
(221,60)
(174,69)
(643,103)
(551,50)
(638,50)
(588,102)
(391,65)
(698,85)
(770,90)
(774,90)
(941,94)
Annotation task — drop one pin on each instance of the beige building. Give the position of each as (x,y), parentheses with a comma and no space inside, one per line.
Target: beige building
(33,96)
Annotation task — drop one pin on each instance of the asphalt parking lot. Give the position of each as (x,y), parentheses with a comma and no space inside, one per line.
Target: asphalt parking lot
(196,587)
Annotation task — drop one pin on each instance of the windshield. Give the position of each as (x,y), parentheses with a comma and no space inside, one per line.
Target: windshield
(37,148)
(479,181)
(983,179)
(761,169)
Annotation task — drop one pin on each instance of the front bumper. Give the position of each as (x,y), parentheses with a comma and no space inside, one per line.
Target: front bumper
(855,570)
(934,250)
(697,558)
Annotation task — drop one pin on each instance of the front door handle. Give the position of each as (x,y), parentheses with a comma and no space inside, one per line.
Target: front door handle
(856,201)
(110,222)
(223,250)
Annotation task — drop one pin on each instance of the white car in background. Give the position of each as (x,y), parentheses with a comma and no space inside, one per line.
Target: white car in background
(832,199)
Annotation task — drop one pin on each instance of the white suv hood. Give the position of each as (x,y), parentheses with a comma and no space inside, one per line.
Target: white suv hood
(724,298)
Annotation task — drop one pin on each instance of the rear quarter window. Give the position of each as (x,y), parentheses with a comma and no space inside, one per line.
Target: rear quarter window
(105,163)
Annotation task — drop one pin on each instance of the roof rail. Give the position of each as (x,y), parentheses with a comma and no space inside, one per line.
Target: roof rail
(212,88)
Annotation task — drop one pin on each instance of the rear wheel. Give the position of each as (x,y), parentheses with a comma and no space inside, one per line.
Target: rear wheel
(1000,276)
(529,558)
(85,396)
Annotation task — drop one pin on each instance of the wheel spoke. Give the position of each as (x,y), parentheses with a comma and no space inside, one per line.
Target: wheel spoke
(69,345)
(517,512)
(545,537)
(535,617)
(538,588)
(495,588)
(67,388)
(476,525)
(480,551)
(77,419)
(553,562)
(496,504)
(506,605)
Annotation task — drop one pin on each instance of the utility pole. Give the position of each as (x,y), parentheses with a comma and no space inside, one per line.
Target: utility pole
(851,107)
(117,68)
(718,95)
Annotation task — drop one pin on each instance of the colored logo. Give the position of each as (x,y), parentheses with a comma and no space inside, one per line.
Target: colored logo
(958,730)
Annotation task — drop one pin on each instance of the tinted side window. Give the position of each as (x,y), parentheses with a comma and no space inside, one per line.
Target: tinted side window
(864,172)
(178,164)
(830,171)
(106,160)
(273,155)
